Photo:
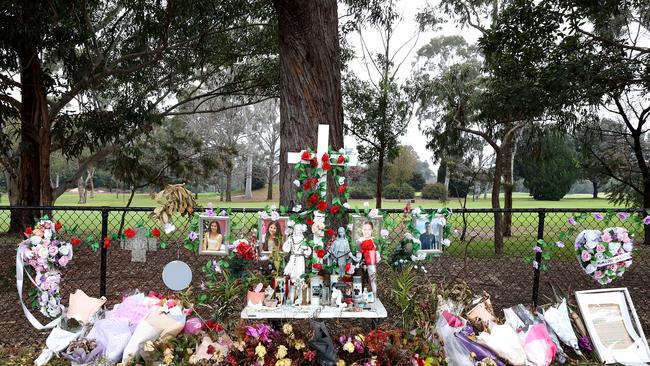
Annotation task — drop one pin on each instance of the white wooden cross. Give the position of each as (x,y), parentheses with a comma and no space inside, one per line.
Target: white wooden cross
(322,148)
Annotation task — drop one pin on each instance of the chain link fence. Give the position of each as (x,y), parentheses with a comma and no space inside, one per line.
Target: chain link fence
(471,257)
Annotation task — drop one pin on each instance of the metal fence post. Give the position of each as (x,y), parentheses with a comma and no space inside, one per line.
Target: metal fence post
(104,254)
(538,257)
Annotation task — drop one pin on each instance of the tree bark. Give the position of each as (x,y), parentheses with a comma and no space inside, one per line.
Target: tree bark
(269,191)
(33,178)
(310,81)
(229,186)
(496,205)
(91,177)
(508,185)
(380,180)
(594,184)
(248,194)
(81,189)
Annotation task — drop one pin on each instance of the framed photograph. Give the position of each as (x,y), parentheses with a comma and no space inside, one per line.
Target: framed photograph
(271,233)
(613,326)
(213,235)
(431,233)
(367,225)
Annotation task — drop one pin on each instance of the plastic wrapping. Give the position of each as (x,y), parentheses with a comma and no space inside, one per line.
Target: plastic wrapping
(558,319)
(481,353)
(112,335)
(82,307)
(560,355)
(132,308)
(57,341)
(538,345)
(455,351)
(503,341)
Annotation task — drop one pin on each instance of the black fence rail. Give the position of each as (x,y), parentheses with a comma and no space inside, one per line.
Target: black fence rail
(470,257)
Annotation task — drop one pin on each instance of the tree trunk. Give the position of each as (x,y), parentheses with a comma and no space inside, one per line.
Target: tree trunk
(380,180)
(508,185)
(269,191)
(310,81)
(81,188)
(594,183)
(229,186)
(248,194)
(91,177)
(33,178)
(496,205)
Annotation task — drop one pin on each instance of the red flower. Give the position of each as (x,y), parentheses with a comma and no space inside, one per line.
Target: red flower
(307,185)
(107,242)
(306,155)
(232,359)
(335,209)
(320,253)
(57,225)
(329,232)
(342,189)
(322,206)
(310,355)
(327,166)
(75,241)
(318,266)
(367,245)
(246,251)
(28,231)
(314,162)
(212,325)
(155,232)
(314,198)
(309,222)
(211,349)
(347,267)
(129,233)
(325,158)
(341,159)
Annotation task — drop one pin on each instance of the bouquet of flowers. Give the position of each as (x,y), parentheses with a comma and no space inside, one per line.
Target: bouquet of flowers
(45,255)
(406,253)
(606,255)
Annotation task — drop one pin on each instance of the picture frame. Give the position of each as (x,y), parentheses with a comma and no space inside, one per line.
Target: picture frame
(431,241)
(357,224)
(613,326)
(263,226)
(206,244)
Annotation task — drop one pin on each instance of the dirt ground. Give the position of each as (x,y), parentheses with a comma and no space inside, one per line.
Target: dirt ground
(508,281)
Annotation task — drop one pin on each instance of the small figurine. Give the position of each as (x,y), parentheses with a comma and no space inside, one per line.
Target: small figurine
(337,298)
(370,254)
(268,292)
(318,231)
(296,244)
(339,251)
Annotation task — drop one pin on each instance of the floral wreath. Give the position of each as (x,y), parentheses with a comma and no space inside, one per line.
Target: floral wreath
(606,255)
(42,256)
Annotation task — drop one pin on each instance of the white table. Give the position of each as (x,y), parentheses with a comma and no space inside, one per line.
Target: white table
(376,311)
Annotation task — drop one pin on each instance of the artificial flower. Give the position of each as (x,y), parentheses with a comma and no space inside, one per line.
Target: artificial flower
(320,253)
(646,220)
(340,159)
(536,264)
(572,221)
(322,206)
(585,344)
(306,155)
(193,326)
(559,244)
(537,249)
(348,346)
(346,205)
(155,232)
(373,213)
(275,216)
(296,183)
(169,356)
(283,362)
(313,162)
(318,266)
(193,236)
(325,157)
(335,209)
(309,222)
(623,215)
(214,326)
(287,328)
(75,241)
(58,225)
(260,351)
(299,344)
(149,346)
(281,352)
(239,345)
(129,233)
(341,181)
(107,242)
(342,189)
(327,166)
(384,233)
(28,231)
(297,208)
(598,216)
(329,232)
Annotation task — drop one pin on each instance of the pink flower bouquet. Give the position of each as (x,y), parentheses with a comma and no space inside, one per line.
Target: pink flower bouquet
(606,255)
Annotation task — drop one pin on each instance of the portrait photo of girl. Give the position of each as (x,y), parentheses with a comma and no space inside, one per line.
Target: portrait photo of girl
(272,234)
(213,234)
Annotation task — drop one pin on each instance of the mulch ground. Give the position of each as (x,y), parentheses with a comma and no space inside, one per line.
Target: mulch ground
(507,280)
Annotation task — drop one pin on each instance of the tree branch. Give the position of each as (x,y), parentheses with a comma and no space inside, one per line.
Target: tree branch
(84,166)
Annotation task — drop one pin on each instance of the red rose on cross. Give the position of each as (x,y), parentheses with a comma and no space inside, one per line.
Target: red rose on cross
(318,266)
(327,166)
(322,206)
(342,189)
(335,209)
(325,158)
(155,232)
(306,155)
(129,233)
(341,159)
(320,253)
(329,232)
(309,222)
(307,185)
(314,162)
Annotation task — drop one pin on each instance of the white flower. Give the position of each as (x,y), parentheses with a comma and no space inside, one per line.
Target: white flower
(599,256)
(275,215)
(342,151)
(416,211)
(446,242)
(42,251)
(590,269)
(274,208)
(346,205)
(424,270)
(47,234)
(35,240)
(366,204)
(64,250)
(373,213)
(297,208)
(627,247)
(591,244)
(263,215)
(384,233)
(341,181)
(296,183)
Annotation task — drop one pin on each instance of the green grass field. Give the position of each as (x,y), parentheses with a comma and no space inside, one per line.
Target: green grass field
(520,200)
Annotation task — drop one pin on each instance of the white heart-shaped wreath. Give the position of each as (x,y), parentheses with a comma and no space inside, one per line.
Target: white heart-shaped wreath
(605,255)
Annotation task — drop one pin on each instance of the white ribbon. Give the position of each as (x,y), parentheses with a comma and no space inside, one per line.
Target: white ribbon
(619,258)
(20,271)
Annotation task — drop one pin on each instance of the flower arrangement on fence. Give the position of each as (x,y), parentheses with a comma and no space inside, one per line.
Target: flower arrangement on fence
(605,255)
